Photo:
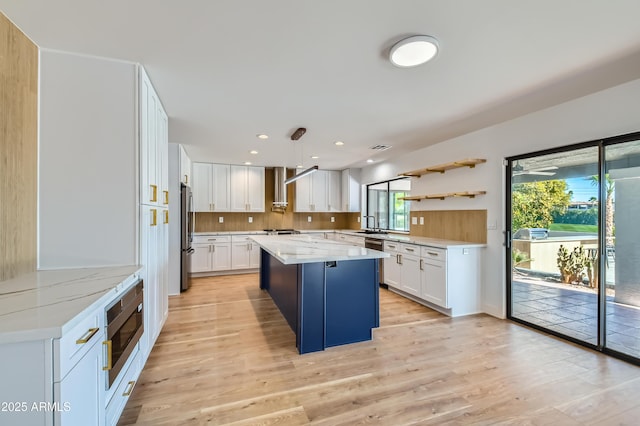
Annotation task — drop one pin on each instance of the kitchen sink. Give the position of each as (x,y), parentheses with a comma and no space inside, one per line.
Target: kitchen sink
(371,231)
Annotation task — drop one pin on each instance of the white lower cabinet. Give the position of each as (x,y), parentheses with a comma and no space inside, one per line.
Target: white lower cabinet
(211,253)
(245,254)
(121,393)
(392,267)
(447,280)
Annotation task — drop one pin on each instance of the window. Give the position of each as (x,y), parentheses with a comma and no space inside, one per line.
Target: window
(385,206)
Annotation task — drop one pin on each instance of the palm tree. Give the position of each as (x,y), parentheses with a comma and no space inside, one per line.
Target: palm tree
(608,207)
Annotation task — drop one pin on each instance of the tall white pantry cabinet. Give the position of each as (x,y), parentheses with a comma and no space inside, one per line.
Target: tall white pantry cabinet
(102,177)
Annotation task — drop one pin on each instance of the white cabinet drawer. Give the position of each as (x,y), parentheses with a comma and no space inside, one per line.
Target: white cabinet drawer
(434,253)
(391,247)
(123,390)
(75,343)
(241,239)
(211,239)
(410,249)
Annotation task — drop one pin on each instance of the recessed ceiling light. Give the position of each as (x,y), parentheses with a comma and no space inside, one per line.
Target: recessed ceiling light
(369,160)
(262,136)
(413,51)
(254,152)
(315,157)
(339,143)
(247,163)
(299,166)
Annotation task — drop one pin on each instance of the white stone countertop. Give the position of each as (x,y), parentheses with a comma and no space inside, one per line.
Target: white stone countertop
(410,239)
(46,304)
(294,249)
(230,233)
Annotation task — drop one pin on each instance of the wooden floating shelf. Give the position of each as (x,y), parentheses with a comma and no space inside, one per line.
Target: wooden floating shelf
(468,194)
(441,168)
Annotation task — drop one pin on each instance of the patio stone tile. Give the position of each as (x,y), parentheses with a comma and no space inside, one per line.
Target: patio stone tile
(549,316)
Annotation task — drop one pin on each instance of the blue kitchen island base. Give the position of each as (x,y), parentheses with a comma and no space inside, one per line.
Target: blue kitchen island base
(325,303)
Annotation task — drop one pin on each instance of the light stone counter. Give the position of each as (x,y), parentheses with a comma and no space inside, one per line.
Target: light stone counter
(410,239)
(45,304)
(294,249)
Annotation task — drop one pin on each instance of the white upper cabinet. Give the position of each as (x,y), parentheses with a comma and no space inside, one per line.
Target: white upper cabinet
(211,185)
(351,190)
(185,166)
(247,189)
(319,192)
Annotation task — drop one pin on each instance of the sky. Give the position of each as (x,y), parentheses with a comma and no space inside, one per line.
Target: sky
(582,189)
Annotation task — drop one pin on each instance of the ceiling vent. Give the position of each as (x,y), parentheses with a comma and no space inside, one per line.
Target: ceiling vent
(380,147)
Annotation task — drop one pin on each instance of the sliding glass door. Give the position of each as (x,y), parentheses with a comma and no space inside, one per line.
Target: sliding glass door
(574,243)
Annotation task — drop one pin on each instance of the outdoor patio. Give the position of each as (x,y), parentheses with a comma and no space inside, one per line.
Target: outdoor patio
(574,312)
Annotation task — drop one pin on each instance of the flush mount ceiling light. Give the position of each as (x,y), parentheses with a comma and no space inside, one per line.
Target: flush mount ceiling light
(413,51)
(254,152)
(339,143)
(262,136)
(248,163)
(315,157)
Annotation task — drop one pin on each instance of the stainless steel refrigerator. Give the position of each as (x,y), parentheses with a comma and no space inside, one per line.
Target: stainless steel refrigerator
(187,222)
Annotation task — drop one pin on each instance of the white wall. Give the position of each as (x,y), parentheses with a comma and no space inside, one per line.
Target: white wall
(87,175)
(607,113)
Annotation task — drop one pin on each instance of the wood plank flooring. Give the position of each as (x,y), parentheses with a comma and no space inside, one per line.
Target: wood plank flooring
(226,356)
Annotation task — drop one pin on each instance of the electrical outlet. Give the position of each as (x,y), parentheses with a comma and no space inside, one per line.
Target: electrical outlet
(250,219)
(221,219)
(414,220)
(308,218)
(465,251)
(492,225)
(421,220)
(333,219)
(358,219)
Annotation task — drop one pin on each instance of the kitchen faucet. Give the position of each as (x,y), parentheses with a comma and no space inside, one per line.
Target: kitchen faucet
(367,221)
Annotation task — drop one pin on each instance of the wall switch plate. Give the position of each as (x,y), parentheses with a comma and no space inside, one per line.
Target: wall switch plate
(250,219)
(414,220)
(465,251)
(333,219)
(358,219)
(220,219)
(308,218)
(421,220)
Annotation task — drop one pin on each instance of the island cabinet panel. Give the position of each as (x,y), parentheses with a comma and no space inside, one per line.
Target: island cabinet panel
(310,333)
(283,288)
(351,301)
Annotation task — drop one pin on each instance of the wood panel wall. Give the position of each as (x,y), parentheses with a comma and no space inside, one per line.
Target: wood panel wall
(458,225)
(18,150)
(209,222)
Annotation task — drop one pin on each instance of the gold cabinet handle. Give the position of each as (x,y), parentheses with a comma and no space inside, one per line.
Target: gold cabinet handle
(129,389)
(87,336)
(154,217)
(166,197)
(154,193)
(166,217)
(109,344)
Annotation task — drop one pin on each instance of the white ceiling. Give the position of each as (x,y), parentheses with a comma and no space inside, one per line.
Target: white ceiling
(227,70)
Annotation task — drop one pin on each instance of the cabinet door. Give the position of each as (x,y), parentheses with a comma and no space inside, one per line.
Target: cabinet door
(255,189)
(351,190)
(254,256)
(201,258)
(185,167)
(303,194)
(241,255)
(320,191)
(149,185)
(392,267)
(434,282)
(220,188)
(81,392)
(411,275)
(202,187)
(151,220)
(162,146)
(239,189)
(221,259)
(162,295)
(334,191)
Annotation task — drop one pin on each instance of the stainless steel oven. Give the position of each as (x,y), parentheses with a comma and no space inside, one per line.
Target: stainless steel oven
(124,329)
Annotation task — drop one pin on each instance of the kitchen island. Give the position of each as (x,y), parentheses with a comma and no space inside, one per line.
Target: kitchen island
(326,290)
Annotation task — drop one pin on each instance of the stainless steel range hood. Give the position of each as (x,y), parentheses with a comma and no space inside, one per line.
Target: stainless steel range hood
(280,189)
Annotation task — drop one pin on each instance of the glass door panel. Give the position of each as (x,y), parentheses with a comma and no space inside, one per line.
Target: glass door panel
(622,273)
(554,242)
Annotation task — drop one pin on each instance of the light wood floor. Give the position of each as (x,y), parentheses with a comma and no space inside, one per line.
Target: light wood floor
(227,356)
